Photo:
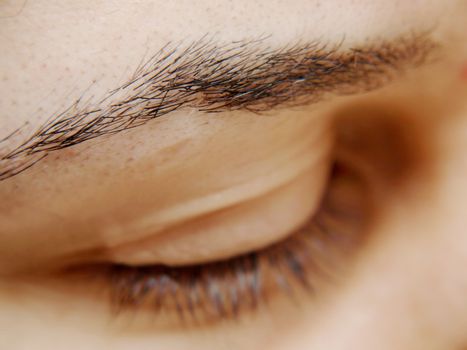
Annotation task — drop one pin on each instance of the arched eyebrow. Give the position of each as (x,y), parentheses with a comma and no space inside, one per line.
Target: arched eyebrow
(215,78)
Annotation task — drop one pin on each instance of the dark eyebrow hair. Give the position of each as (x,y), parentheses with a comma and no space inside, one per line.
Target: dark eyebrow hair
(243,75)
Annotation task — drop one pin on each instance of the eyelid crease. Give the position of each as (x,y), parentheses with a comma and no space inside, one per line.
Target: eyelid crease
(297,164)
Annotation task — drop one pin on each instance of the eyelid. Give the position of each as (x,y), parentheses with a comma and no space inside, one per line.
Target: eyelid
(228,232)
(221,194)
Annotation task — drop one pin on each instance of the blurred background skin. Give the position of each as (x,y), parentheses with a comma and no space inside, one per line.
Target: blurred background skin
(408,287)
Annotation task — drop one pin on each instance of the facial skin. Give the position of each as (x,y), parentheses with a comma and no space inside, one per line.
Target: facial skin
(191,187)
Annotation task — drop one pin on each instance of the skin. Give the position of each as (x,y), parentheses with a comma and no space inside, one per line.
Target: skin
(205,180)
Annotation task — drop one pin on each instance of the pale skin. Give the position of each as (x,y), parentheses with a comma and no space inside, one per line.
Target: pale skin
(204,182)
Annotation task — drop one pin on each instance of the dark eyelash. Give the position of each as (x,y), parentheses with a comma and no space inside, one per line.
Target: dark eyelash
(224,289)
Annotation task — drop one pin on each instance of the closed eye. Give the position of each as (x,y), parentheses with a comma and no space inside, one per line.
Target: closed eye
(226,289)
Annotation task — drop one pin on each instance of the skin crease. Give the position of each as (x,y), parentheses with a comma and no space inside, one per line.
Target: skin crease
(405,289)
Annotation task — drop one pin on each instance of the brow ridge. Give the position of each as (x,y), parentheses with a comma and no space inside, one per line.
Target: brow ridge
(211,77)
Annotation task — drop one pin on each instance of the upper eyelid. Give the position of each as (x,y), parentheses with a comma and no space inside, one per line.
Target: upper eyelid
(214,78)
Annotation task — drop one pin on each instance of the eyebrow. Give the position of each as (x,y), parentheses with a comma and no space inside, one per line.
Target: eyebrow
(209,77)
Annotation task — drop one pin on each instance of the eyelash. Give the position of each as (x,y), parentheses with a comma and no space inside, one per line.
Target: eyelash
(226,289)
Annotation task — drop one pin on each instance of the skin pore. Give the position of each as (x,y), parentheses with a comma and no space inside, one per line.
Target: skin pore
(190,187)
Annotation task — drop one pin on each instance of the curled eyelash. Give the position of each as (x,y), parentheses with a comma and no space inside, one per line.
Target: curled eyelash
(225,289)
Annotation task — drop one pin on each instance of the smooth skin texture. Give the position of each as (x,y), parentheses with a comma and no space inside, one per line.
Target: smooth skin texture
(190,179)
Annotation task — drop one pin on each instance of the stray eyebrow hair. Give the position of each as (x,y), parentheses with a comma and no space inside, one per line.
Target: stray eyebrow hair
(213,78)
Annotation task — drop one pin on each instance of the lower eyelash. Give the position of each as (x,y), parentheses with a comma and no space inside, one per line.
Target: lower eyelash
(224,289)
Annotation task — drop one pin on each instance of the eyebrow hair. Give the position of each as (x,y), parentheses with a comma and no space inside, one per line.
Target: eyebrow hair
(213,78)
